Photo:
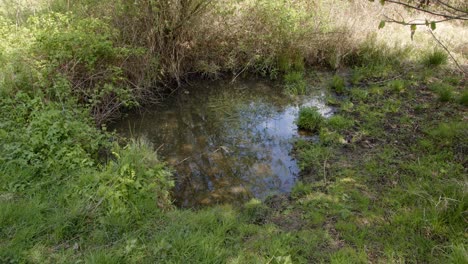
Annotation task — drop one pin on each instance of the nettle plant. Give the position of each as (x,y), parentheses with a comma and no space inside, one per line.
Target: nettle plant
(78,57)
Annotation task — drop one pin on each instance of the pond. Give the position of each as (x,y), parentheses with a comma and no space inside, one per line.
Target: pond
(227,143)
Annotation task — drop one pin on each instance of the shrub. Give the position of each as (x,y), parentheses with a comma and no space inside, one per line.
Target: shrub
(49,139)
(134,181)
(337,84)
(435,58)
(309,119)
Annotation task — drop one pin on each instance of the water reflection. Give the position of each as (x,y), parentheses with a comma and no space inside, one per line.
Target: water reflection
(227,142)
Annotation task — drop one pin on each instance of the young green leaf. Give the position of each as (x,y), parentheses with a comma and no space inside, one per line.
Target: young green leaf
(433,25)
(382,24)
(413,30)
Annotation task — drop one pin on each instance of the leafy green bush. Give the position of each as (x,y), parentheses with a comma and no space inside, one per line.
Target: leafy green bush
(134,181)
(337,84)
(435,58)
(47,138)
(309,119)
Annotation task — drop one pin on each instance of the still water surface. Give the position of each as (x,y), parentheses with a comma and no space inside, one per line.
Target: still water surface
(226,142)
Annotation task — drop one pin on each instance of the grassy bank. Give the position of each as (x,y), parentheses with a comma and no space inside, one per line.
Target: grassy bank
(385,182)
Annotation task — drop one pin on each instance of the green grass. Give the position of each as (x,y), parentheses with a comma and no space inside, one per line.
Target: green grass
(295,83)
(337,84)
(309,119)
(463,99)
(444,91)
(435,58)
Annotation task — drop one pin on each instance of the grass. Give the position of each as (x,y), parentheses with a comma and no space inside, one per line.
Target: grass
(384,190)
(435,58)
(309,119)
(444,91)
(337,84)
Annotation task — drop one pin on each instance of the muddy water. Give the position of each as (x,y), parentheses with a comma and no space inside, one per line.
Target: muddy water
(226,142)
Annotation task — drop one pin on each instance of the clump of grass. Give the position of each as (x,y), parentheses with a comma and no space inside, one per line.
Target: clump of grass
(255,211)
(435,58)
(359,94)
(444,91)
(301,189)
(295,83)
(397,86)
(328,137)
(337,84)
(339,123)
(463,99)
(309,119)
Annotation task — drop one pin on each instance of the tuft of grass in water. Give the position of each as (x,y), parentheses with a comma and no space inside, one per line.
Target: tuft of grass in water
(295,83)
(337,84)
(435,58)
(309,119)
(444,91)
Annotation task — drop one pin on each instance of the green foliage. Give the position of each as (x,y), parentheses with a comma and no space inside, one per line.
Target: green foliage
(46,138)
(134,181)
(309,119)
(337,84)
(435,58)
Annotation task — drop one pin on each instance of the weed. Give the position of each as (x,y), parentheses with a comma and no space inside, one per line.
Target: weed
(309,119)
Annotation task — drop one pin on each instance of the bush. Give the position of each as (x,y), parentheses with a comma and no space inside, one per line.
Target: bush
(309,119)
(48,139)
(435,58)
